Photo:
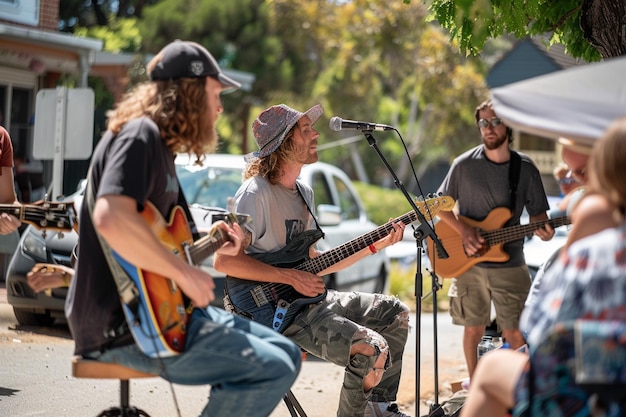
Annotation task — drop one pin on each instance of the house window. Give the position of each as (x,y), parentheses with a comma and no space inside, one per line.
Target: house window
(20,11)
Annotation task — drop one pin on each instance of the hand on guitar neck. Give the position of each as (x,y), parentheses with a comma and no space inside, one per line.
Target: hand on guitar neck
(469,242)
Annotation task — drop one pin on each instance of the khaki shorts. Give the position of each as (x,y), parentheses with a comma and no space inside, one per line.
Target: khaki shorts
(471,295)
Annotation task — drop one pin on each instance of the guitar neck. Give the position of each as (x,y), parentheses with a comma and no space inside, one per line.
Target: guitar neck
(333,256)
(206,246)
(508,234)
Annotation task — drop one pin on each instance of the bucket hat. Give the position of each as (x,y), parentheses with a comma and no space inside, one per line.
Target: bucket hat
(273,124)
(577,147)
(186,59)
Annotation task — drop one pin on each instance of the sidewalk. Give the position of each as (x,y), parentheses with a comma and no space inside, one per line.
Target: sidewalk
(318,384)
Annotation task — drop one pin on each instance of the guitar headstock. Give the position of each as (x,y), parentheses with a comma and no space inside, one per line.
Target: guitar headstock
(433,205)
(45,215)
(230,219)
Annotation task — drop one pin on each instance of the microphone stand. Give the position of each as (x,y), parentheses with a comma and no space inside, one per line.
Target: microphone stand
(422,231)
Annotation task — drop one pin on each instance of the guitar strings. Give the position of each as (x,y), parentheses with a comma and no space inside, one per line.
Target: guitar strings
(317,264)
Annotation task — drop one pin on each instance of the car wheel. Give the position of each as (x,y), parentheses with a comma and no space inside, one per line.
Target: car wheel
(381,281)
(28,318)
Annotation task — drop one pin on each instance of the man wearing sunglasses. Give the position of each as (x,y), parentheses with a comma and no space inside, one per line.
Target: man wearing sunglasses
(484,178)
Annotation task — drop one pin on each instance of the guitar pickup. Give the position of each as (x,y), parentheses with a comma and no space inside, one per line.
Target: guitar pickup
(258,295)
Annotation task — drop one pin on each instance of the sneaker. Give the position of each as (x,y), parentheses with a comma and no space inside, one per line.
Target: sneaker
(383,410)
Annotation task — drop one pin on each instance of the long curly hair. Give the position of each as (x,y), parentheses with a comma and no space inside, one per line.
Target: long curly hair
(271,166)
(179,108)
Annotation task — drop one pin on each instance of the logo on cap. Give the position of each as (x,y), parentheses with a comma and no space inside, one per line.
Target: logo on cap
(197,67)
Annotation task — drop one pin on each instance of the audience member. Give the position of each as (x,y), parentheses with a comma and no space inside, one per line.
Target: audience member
(8,223)
(563,178)
(575,156)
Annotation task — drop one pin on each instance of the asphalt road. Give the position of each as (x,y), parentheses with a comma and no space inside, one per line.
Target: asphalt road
(35,376)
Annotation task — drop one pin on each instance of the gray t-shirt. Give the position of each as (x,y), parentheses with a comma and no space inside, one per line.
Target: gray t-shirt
(479,185)
(278,214)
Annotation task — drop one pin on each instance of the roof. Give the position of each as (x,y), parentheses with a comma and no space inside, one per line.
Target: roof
(529,57)
(53,39)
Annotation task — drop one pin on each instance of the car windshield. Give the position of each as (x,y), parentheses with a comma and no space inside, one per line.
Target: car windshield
(208,186)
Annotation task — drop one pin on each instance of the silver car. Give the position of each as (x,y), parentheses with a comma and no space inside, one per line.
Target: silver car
(340,212)
(208,189)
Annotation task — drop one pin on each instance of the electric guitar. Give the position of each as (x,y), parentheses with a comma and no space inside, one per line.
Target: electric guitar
(158,316)
(491,228)
(44,215)
(276,305)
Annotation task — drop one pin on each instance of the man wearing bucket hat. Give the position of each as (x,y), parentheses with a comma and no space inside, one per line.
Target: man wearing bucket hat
(364,333)
(248,366)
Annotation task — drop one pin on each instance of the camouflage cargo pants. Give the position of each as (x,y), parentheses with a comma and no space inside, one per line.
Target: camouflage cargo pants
(328,330)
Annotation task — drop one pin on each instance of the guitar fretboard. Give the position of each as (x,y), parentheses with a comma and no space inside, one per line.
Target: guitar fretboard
(206,246)
(511,233)
(331,257)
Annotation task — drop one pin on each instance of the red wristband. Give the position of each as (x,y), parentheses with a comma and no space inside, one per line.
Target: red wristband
(372,249)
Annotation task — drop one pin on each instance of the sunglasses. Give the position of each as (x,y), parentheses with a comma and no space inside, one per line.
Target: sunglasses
(483,123)
(576,173)
(567,181)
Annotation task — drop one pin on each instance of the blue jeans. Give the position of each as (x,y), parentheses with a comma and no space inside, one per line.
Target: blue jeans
(249,366)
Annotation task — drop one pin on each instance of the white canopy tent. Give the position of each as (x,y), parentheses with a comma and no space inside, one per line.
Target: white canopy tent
(578,103)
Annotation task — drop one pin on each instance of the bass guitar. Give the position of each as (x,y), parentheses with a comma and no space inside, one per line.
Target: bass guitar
(44,215)
(495,235)
(276,305)
(158,317)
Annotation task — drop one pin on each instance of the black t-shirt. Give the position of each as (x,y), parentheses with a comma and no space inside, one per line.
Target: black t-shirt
(135,163)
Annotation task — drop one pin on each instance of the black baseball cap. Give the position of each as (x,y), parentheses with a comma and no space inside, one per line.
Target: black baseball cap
(186,59)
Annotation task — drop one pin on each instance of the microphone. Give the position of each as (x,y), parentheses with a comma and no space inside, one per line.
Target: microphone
(337,123)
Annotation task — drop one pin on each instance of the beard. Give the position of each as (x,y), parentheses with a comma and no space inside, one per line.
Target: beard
(491,145)
(303,155)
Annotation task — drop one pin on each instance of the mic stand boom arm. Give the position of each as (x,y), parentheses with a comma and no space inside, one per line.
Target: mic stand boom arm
(422,231)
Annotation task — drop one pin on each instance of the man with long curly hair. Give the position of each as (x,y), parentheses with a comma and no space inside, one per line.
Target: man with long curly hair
(364,333)
(248,366)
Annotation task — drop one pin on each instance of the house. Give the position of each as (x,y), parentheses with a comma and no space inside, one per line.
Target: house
(34,55)
(531,57)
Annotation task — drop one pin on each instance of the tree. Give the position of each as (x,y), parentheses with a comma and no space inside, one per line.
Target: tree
(84,13)
(256,36)
(382,61)
(589,29)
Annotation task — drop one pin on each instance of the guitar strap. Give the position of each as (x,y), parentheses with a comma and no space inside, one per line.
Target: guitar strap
(126,288)
(515,166)
(309,209)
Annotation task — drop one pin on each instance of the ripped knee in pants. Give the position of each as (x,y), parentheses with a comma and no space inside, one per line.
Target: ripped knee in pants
(369,357)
